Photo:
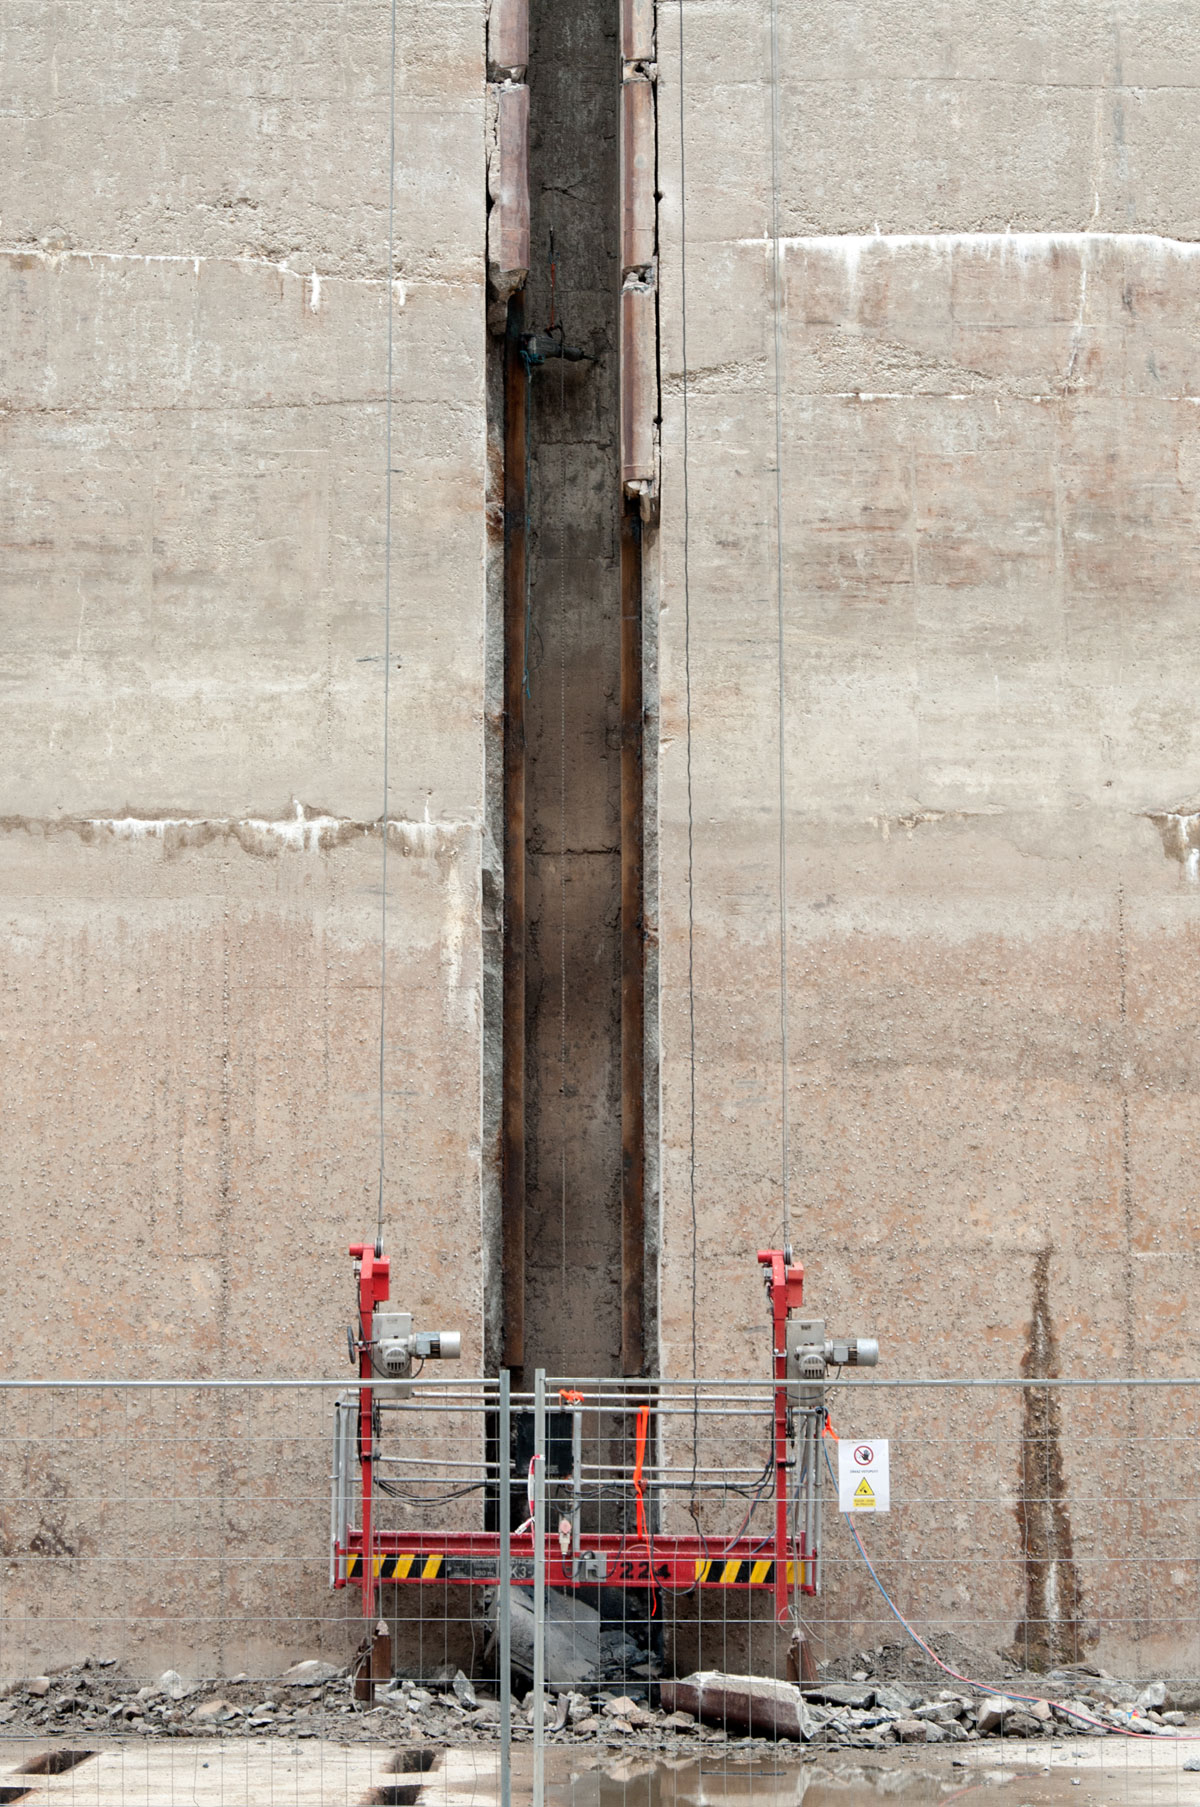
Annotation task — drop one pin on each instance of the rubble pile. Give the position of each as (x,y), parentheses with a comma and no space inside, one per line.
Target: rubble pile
(316,1699)
(876,1714)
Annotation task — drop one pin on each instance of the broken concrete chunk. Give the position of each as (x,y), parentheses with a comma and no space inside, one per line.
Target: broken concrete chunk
(530,1704)
(1072,1712)
(214,1710)
(991,1714)
(1154,1694)
(172,1684)
(39,1685)
(304,1675)
(890,1697)
(464,1693)
(1022,1725)
(746,1703)
(620,1708)
(840,1694)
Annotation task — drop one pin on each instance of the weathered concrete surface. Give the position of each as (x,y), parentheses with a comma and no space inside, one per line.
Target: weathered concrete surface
(193,515)
(194,277)
(990,447)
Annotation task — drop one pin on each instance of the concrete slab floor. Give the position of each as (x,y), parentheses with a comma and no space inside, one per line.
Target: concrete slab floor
(320,1771)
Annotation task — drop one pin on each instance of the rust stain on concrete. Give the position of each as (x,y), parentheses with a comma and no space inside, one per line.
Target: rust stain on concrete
(1052,1630)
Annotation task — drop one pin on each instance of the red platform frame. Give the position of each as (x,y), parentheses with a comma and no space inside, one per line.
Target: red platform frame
(673,1564)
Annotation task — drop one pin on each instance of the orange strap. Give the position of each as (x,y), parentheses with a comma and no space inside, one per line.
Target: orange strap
(569,1396)
(827,1429)
(643,1425)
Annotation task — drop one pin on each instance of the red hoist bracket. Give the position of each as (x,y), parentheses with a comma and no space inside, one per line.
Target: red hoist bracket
(374,1283)
(785,1289)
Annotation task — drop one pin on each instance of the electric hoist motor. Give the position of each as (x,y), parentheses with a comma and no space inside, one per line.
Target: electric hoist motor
(395,1345)
(811,1354)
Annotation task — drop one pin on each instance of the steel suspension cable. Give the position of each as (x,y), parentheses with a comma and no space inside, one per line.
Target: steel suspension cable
(387,611)
(691,819)
(562,792)
(785,1151)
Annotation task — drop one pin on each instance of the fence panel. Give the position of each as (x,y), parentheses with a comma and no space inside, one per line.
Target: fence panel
(207,1575)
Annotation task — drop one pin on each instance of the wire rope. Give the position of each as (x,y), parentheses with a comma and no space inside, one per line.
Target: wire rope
(785,1153)
(387,615)
(687,695)
(1072,1714)
(562,791)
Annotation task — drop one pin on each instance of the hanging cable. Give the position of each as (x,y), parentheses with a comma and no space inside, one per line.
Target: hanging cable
(387,611)
(1069,1712)
(562,793)
(691,837)
(785,1152)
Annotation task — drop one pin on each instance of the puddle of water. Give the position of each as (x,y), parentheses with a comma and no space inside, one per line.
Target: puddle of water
(716,1782)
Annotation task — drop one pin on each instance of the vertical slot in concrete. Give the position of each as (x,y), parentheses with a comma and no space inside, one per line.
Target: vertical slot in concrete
(573,1253)
(572,1136)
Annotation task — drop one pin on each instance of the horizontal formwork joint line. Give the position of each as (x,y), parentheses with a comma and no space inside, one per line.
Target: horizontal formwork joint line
(1015,244)
(612,1399)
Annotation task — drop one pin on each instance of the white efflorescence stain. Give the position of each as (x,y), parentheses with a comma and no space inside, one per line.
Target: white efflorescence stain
(300,832)
(303,831)
(1021,247)
(53,258)
(1180,832)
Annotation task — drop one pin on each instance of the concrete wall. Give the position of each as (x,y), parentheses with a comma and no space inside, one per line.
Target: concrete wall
(988,391)
(987,396)
(194,277)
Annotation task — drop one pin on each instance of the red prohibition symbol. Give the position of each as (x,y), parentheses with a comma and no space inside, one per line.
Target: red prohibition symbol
(864,1455)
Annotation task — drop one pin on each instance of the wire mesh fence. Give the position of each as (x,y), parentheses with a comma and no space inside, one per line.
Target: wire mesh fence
(440,1589)
(177,1620)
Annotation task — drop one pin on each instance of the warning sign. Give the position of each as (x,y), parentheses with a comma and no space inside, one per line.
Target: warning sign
(863,1483)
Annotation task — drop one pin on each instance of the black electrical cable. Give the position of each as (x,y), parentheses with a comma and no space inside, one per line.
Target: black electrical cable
(395,1491)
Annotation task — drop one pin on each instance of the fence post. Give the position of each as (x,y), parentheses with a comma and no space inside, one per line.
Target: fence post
(504,1508)
(539,1588)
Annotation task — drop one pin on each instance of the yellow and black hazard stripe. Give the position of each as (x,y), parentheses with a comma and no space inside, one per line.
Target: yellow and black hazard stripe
(708,1573)
(399,1568)
(760,1573)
